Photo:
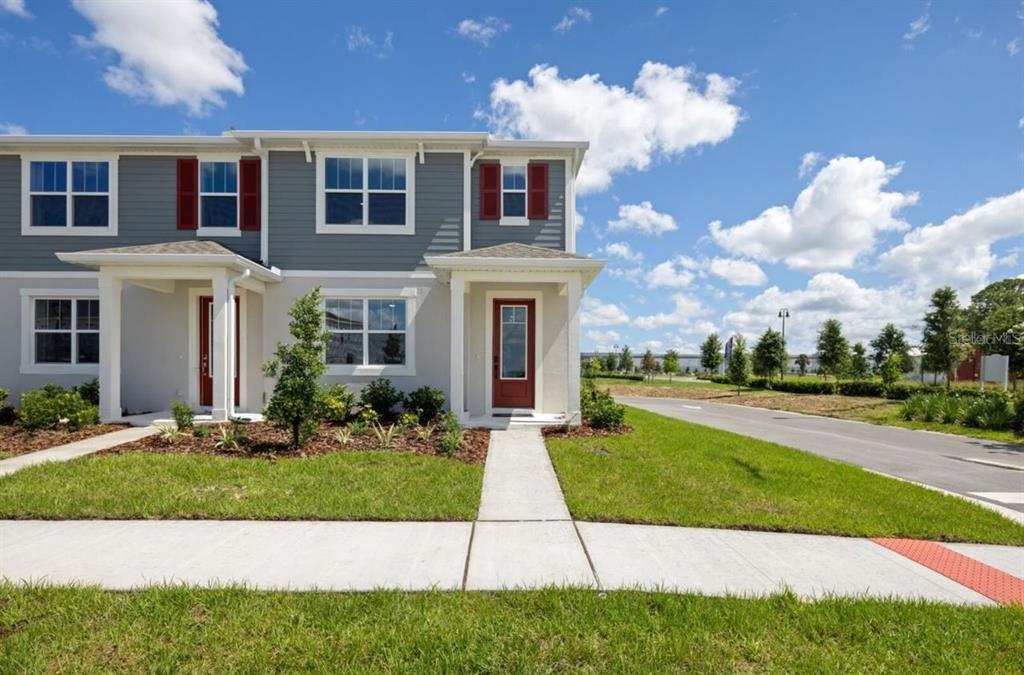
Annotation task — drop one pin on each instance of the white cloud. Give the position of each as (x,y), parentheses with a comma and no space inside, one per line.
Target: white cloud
(603,340)
(484,30)
(622,249)
(738,272)
(468,78)
(663,114)
(16,7)
(863,311)
(358,40)
(957,252)
(169,52)
(918,27)
(11,129)
(643,218)
(808,163)
(685,312)
(660,11)
(1013,47)
(571,17)
(834,220)
(630,274)
(598,313)
(653,345)
(669,274)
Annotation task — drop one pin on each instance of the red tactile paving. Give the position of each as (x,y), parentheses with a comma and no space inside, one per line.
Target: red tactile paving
(989,581)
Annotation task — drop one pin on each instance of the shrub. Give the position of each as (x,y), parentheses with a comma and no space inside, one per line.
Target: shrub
(452,436)
(1018,417)
(381,396)
(912,407)
(616,376)
(3,396)
(338,401)
(47,407)
(343,436)
(169,434)
(231,437)
(599,409)
(7,414)
(201,431)
(89,391)
(951,409)
(182,413)
(385,435)
(426,402)
(406,421)
(992,412)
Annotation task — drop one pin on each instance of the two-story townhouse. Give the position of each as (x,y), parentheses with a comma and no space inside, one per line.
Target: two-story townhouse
(166,265)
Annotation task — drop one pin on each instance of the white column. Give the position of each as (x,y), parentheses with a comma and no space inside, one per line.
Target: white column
(220,351)
(573,293)
(110,347)
(456,393)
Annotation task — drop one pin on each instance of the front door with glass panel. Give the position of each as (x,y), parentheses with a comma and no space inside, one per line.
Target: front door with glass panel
(207,353)
(513,355)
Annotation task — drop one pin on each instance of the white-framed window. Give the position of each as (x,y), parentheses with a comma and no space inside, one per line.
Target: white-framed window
(513,194)
(369,334)
(60,331)
(69,196)
(218,197)
(360,193)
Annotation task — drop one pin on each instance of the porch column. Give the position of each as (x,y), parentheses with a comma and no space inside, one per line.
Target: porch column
(219,349)
(457,361)
(573,292)
(110,346)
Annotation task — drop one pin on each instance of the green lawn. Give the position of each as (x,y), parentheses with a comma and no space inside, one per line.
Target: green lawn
(232,630)
(336,486)
(676,473)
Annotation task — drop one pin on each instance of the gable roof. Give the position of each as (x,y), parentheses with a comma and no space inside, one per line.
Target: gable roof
(192,252)
(515,258)
(516,251)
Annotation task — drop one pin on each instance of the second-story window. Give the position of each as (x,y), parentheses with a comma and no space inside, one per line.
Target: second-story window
(69,197)
(218,194)
(371,195)
(513,194)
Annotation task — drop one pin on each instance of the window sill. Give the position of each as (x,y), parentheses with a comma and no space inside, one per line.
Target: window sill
(60,369)
(109,231)
(366,229)
(370,371)
(514,222)
(218,232)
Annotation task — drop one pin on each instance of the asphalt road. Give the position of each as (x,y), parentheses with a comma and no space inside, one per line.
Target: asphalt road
(953,463)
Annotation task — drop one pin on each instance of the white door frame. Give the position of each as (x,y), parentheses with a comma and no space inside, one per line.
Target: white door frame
(241,363)
(538,358)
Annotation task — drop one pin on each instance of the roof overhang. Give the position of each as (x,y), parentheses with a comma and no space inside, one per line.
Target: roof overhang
(445,266)
(229,261)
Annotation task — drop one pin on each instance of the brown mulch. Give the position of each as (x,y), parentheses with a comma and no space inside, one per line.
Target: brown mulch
(15,441)
(584,431)
(269,442)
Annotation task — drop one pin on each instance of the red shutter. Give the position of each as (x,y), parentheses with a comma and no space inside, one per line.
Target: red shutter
(249,193)
(188,193)
(537,198)
(490,191)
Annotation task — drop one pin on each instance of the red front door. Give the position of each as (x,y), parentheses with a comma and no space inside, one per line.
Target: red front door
(206,353)
(514,369)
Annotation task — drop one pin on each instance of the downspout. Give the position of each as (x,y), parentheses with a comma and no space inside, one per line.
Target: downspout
(233,340)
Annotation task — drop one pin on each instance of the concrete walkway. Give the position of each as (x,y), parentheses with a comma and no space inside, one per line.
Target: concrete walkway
(523,539)
(63,453)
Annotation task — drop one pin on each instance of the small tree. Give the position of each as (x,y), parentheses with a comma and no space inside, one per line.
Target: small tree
(944,340)
(891,370)
(859,366)
(833,349)
(738,368)
(803,362)
(892,341)
(611,363)
(711,353)
(296,403)
(649,364)
(996,315)
(769,355)
(626,360)
(670,363)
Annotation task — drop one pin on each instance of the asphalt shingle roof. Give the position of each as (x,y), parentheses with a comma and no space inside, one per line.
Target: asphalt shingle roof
(516,251)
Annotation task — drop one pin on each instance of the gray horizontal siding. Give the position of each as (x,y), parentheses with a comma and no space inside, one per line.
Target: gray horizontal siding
(294,243)
(147,208)
(548,233)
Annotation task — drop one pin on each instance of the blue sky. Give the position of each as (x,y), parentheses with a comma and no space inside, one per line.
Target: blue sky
(838,159)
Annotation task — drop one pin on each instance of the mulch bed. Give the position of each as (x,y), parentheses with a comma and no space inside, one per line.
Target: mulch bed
(15,441)
(584,431)
(269,442)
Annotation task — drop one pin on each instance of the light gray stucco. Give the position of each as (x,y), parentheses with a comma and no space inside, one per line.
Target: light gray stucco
(147,214)
(294,243)
(548,233)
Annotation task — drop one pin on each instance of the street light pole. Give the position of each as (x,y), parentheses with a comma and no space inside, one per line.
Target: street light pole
(784,314)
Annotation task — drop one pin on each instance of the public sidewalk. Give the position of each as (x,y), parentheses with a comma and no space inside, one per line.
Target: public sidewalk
(524,538)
